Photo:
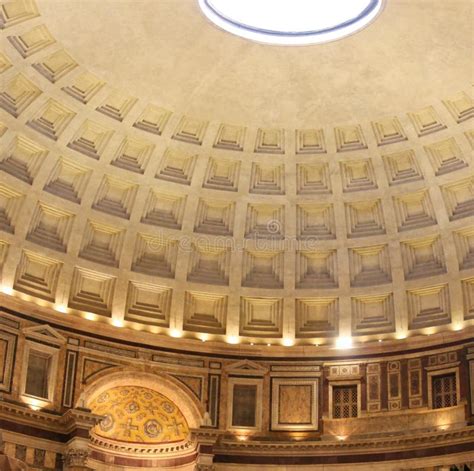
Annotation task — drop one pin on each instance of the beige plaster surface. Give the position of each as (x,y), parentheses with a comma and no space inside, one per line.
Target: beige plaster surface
(167,52)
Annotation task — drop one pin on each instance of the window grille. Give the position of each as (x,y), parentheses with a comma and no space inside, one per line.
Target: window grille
(344,401)
(444,391)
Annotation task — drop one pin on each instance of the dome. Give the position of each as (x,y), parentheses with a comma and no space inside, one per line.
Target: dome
(240,193)
(235,234)
(292,23)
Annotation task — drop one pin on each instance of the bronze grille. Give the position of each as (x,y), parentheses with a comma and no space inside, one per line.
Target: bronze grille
(344,400)
(444,391)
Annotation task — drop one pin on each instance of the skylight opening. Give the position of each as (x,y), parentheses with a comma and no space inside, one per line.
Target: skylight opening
(291,22)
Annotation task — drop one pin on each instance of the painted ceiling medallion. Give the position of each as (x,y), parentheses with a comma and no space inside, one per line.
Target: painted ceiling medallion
(291,22)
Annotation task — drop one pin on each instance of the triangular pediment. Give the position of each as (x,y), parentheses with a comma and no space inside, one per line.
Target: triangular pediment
(247,368)
(45,333)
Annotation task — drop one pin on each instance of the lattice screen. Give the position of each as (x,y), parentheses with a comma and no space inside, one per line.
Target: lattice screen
(344,402)
(444,391)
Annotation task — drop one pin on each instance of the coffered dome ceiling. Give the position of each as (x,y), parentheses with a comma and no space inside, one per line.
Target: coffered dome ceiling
(161,174)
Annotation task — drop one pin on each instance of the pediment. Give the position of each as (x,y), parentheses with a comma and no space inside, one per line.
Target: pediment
(247,368)
(44,333)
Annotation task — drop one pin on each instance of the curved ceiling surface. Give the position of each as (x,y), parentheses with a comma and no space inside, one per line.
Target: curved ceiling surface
(160,174)
(138,415)
(168,52)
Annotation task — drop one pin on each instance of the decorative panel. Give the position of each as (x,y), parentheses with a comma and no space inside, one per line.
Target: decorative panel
(445,156)
(69,378)
(350,138)
(209,264)
(459,198)
(4,246)
(32,41)
(92,291)
(214,384)
(133,155)
(230,137)
(193,383)
(164,209)
(470,137)
(5,63)
(205,312)
(84,87)
(270,141)
(294,404)
(68,180)
(316,317)
(190,130)
(267,179)
(370,265)
(56,65)
(261,317)
(464,243)
(177,166)
(428,306)
(11,202)
(52,119)
(91,139)
(358,175)
(415,385)
(394,385)
(345,371)
(155,255)
(460,106)
(153,119)
(310,141)
(313,179)
(37,275)
(17,94)
(148,303)
(14,12)
(8,343)
(215,217)
(426,121)
(468,297)
(423,257)
(315,221)
(402,167)
(265,221)
(222,174)
(92,366)
(316,269)
(115,197)
(50,227)
(102,243)
(373,314)
(414,210)
(364,218)
(117,105)
(388,131)
(373,387)
(23,158)
(263,268)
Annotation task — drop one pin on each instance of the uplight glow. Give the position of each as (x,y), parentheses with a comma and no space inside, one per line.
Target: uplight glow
(344,342)
(7,290)
(291,22)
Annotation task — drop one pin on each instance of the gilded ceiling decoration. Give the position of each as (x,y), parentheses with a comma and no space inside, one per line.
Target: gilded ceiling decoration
(138,415)
(122,209)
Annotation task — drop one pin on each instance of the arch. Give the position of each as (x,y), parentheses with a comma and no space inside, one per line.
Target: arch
(162,383)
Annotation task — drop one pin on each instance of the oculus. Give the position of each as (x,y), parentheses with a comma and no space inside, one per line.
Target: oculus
(291,22)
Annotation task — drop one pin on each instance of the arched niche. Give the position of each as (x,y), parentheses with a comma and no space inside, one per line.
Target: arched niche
(192,410)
